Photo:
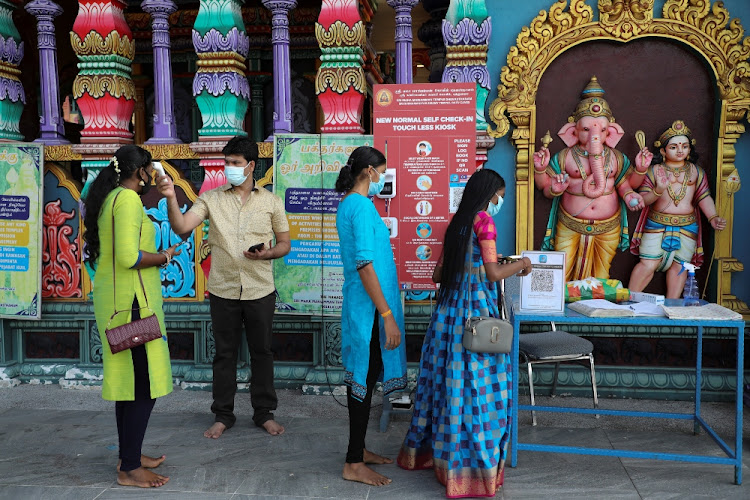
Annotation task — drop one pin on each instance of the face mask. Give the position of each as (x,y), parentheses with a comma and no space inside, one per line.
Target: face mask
(376,187)
(235,175)
(146,184)
(494,209)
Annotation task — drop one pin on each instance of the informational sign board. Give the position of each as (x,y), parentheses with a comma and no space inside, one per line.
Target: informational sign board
(543,290)
(428,133)
(310,278)
(21,199)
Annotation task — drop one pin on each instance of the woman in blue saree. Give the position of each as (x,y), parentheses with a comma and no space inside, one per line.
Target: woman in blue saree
(460,426)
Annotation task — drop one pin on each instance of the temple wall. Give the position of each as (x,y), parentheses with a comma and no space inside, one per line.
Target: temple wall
(516,15)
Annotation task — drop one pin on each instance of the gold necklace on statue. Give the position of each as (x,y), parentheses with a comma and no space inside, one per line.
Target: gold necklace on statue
(677,198)
(676,171)
(578,152)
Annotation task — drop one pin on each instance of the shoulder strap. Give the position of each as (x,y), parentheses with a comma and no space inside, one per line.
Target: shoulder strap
(114,247)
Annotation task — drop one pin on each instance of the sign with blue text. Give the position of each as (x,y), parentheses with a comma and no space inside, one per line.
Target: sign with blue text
(21,230)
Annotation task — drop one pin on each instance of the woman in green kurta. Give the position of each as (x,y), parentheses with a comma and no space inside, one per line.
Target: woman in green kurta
(133,377)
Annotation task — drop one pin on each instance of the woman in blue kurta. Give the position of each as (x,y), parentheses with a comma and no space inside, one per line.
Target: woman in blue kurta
(460,426)
(372,320)
(121,241)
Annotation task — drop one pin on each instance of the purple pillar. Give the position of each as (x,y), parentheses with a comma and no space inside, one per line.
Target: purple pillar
(52,129)
(282,84)
(403,39)
(164,127)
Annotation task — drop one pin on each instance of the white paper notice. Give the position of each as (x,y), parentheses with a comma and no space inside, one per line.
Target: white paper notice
(543,290)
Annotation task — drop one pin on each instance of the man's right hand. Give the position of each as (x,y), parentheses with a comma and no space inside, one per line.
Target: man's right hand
(165,186)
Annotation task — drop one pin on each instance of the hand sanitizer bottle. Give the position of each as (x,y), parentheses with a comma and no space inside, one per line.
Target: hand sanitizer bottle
(690,292)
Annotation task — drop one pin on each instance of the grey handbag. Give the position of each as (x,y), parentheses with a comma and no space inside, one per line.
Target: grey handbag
(485,334)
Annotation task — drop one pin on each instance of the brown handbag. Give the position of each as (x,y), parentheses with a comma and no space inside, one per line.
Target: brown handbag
(136,332)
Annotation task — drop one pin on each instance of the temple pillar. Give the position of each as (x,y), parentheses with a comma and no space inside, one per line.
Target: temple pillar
(12,96)
(403,38)
(220,85)
(104,89)
(466,32)
(257,109)
(282,83)
(340,83)
(165,131)
(52,128)
(431,34)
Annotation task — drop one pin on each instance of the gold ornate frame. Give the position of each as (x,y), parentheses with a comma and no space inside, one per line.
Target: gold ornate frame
(703,26)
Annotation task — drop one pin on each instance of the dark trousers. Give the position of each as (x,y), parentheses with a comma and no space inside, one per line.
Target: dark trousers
(132,416)
(359,411)
(228,318)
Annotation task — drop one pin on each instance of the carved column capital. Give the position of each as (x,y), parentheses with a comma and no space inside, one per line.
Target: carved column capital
(158,8)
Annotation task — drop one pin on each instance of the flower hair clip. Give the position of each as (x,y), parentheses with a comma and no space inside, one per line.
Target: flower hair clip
(116,164)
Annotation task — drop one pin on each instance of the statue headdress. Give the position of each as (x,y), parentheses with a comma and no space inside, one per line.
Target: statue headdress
(678,128)
(592,103)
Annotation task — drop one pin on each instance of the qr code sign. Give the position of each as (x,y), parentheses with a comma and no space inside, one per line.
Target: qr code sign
(542,281)
(456,193)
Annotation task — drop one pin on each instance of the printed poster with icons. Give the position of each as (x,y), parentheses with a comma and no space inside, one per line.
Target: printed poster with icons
(309,279)
(21,230)
(428,133)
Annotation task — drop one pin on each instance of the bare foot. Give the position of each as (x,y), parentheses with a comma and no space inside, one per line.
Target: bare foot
(273,427)
(215,431)
(141,478)
(363,474)
(373,458)
(147,462)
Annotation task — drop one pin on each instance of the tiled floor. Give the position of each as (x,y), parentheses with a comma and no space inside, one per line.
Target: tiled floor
(62,444)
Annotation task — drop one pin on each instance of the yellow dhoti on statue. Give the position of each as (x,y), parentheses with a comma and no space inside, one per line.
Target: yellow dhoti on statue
(589,244)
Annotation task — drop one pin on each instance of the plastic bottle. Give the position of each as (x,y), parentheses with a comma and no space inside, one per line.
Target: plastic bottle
(690,292)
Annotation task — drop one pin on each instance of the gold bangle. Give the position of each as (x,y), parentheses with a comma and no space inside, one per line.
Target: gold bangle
(636,172)
(628,192)
(555,195)
(386,314)
(537,172)
(713,217)
(657,194)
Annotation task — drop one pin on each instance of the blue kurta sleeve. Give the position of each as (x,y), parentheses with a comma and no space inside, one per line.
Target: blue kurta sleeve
(363,220)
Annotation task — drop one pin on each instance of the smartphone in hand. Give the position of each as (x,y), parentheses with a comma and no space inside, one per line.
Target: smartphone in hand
(256,248)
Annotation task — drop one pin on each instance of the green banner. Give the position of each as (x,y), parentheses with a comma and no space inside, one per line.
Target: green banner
(309,279)
(21,230)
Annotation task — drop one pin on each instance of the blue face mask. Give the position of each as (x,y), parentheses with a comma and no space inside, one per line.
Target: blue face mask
(235,175)
(494,209)
(376,187)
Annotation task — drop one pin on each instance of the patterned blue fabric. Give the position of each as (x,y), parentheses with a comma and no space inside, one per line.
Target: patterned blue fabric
(363,237)
(460,415)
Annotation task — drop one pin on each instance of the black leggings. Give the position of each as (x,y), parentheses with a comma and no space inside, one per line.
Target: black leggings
(132,416)
(359,411)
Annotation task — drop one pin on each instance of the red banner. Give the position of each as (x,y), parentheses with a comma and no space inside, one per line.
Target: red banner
(428,133)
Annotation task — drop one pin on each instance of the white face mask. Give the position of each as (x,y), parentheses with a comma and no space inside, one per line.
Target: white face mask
(235,175)
(494,208)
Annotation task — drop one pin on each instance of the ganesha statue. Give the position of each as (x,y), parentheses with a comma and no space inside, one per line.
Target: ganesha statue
(590,184)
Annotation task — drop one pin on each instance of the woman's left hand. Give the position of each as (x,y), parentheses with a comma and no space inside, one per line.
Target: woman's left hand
(392,333)
(173,250)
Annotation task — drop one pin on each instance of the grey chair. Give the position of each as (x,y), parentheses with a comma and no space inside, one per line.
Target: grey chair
(553,346)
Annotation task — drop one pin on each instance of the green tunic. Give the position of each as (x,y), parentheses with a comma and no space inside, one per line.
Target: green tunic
(130,220)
